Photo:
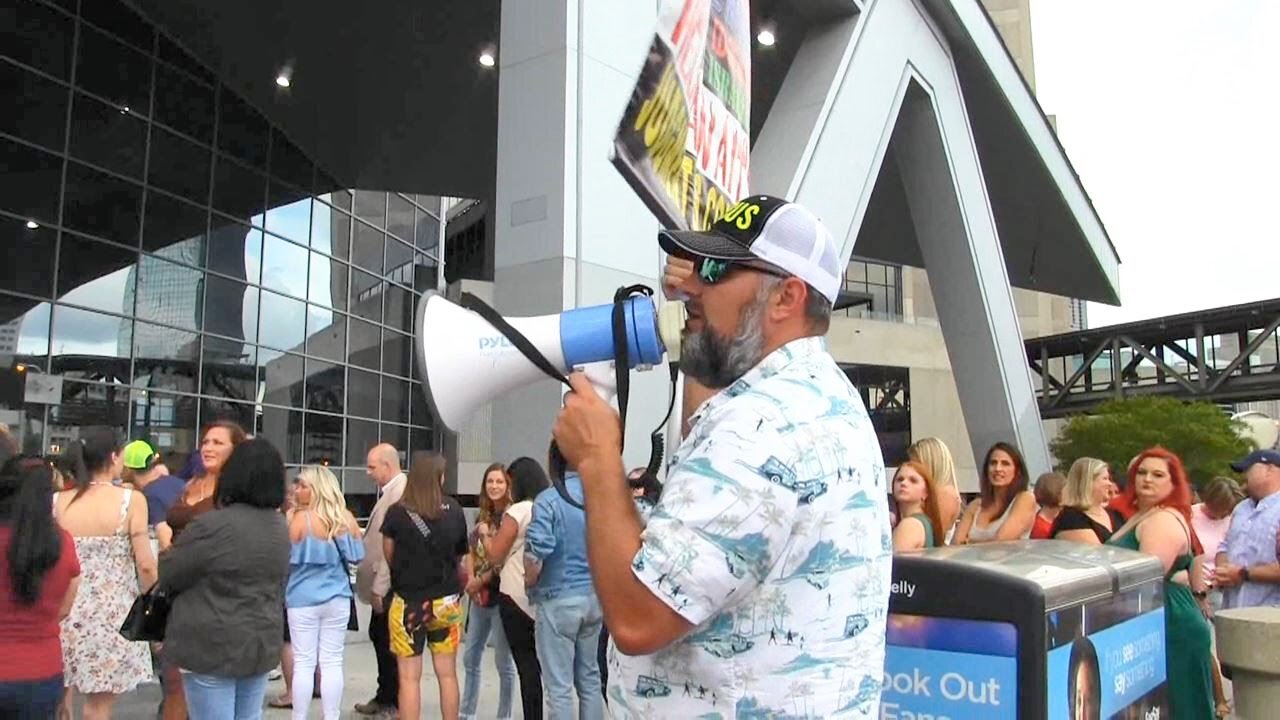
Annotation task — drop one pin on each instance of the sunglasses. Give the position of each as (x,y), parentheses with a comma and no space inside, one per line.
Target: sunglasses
(711,271)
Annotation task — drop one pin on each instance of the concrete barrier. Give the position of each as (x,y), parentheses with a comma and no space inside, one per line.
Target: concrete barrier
(1249,643)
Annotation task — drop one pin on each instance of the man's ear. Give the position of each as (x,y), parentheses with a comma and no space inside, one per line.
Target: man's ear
(790,299)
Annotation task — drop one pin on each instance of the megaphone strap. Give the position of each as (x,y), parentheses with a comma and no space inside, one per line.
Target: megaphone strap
(622,370)
(517,338)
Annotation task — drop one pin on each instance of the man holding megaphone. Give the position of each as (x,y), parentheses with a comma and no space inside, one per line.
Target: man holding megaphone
(770,545)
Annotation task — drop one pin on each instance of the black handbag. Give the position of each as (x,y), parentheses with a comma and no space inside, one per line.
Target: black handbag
(148,616)
(353,622)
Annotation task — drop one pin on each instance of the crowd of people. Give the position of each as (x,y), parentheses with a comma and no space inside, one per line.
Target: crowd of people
(766,552)
(1218,546)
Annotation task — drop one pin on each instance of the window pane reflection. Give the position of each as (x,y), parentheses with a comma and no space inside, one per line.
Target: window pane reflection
(327,283)
(283,428)
(395,400)
(397,435)
(326,334)
(230,309)
(30,182)
(281,378)
(284,266)
(81,332)
(322,439)
(291,220)
(366,247)
(86,405)
(108,136)
(169,293)
(101,204)
(362,393)
(113,71)
(396,350)
(325,387)
(362,435)
(37,247)
(400,218)
(169,221)
(231,247)
(41,113)
(237,190)
(364,347)
(168,422)
(228,372)
(330,231)
(214,409)
(28,322)
(371,206)
(283,322)
(96,274)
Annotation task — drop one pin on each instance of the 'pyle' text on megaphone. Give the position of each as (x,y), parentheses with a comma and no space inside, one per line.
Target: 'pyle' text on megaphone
(466,362)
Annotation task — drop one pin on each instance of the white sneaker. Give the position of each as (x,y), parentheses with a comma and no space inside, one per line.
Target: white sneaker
(275,674)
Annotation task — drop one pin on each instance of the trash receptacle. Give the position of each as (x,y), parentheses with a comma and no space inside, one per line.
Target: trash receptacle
(1026,629)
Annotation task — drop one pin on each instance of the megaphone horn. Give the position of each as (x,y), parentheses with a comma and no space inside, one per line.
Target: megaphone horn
(466,362)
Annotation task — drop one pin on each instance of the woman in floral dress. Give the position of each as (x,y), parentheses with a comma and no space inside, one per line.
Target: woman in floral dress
(109,525)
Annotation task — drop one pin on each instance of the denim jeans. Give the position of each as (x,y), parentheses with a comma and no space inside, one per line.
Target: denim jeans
(30,699)
(210,697)
(319,633)
(567,634)
(483,623)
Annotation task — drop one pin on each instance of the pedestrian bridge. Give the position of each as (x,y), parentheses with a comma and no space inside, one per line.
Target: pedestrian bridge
(1226,355)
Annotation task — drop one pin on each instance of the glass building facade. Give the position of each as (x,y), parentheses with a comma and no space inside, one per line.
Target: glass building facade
(172,258)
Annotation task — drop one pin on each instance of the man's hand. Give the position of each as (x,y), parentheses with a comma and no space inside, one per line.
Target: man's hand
(587,427)
(1226,575)
(676,273)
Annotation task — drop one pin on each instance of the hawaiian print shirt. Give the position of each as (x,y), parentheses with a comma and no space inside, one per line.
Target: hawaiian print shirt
(772,538)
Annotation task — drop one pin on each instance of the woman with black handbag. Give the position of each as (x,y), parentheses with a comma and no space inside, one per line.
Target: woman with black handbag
(423,538)
(226,573)
(483,621)
(326,541)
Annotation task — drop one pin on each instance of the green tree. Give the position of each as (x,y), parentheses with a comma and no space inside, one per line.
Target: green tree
(1199,432)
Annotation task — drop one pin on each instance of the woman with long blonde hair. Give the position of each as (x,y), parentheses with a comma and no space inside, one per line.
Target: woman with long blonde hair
(326,541)
(935,456)
(1084,517)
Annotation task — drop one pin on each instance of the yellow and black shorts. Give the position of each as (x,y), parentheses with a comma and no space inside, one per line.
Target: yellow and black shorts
(435,624)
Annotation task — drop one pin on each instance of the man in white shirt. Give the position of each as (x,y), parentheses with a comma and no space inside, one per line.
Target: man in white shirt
(373,576)
(759,586)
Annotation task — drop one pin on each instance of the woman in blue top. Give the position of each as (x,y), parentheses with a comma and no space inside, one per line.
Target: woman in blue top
(326,539)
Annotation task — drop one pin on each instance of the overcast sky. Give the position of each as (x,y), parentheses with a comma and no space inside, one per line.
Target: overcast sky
(1169,113)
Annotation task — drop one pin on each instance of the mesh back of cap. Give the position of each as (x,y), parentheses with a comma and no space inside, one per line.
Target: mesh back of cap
(796,241)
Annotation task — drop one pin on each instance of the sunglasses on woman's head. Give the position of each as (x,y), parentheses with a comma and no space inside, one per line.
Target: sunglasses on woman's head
(711,271)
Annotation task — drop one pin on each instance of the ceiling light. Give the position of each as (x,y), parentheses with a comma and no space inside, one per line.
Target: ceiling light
(766,37)
(487,59)
(33,225)
(283,80)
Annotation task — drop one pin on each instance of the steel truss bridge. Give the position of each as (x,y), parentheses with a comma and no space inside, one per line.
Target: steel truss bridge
(1225,355)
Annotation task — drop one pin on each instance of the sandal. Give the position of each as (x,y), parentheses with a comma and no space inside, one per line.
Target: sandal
(1223,710)
(283,702)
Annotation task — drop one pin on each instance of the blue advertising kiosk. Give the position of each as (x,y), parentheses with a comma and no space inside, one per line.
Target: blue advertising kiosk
(1024,630)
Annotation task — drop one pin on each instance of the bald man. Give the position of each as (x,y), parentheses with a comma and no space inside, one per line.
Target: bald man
(373,576)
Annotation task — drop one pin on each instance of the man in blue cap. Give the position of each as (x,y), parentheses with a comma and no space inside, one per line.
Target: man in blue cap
(1247,564)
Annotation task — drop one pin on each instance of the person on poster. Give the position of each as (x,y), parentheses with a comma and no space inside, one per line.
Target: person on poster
(771,505)
(1084,682)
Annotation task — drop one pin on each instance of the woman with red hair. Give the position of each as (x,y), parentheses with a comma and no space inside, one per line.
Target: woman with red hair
(1161,526)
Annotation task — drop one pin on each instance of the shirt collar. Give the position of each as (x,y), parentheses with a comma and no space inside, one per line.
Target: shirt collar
(396,481)
(771,365)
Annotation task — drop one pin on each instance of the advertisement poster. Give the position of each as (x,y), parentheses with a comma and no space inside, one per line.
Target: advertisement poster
(1107,660)
(949,668)
(684,141)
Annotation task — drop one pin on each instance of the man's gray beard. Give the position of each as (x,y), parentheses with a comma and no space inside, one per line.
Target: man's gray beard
(716,361)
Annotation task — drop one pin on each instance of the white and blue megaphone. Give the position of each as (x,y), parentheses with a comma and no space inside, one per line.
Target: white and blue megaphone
(466,362)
